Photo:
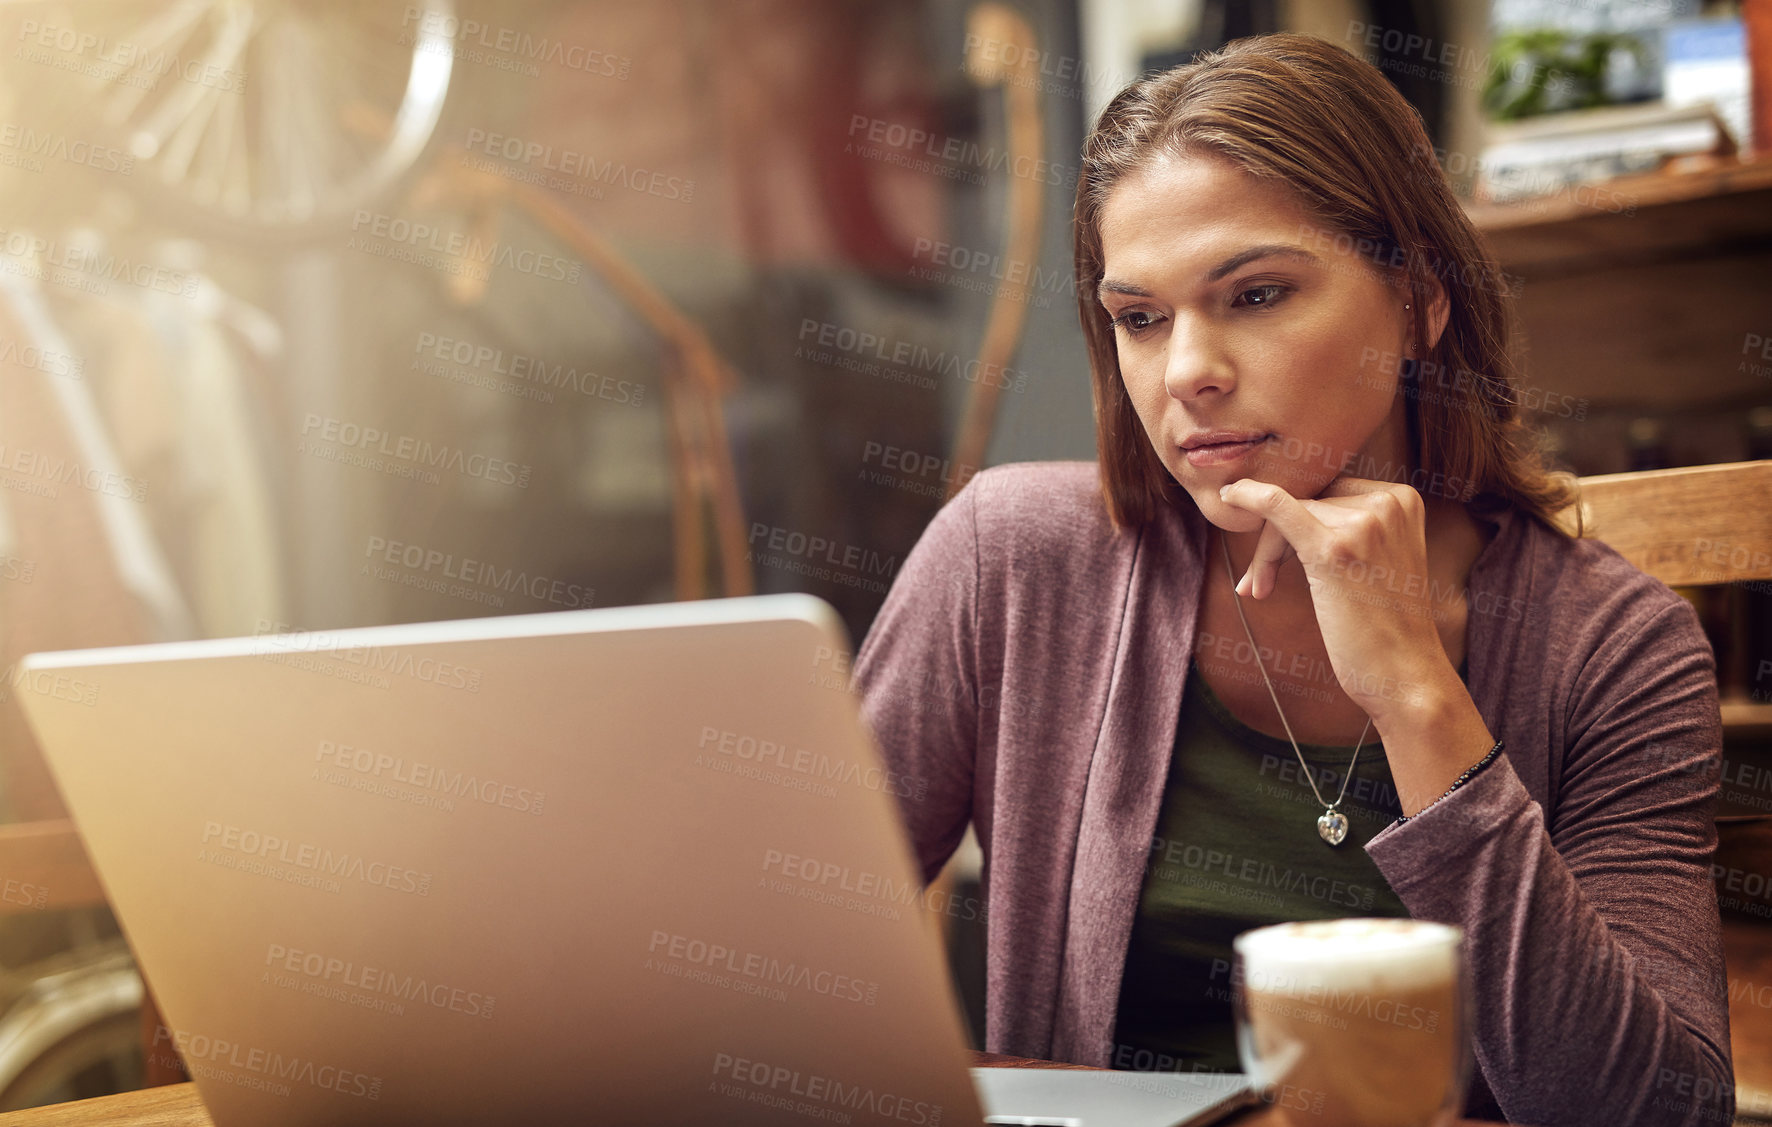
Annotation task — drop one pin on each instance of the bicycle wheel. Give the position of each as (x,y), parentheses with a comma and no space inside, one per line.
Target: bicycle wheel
(274,118)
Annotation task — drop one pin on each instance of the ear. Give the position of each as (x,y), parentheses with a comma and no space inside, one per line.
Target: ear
(1439,311)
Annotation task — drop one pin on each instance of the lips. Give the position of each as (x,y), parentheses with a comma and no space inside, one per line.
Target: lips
(1220,453)
(1221,438)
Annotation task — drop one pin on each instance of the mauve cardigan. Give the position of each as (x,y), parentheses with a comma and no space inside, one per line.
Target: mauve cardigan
(1028,666)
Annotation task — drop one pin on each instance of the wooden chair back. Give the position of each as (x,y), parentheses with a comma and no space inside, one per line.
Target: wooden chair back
(1688,527)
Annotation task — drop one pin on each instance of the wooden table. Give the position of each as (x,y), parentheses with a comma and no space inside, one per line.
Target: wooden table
(177,1105)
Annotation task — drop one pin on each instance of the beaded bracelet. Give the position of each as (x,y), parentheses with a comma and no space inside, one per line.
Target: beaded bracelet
(1469,774)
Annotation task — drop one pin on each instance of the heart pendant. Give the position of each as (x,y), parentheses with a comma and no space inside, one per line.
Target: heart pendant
(1332,826)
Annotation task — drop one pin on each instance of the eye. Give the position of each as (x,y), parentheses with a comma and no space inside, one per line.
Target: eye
(1136,322)
(1256,297)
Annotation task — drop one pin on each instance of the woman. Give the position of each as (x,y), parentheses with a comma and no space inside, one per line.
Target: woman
(1310,640)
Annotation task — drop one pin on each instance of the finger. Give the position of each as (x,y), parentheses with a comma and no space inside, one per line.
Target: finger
(1361,492)
(1264,570)
(1293,520)
(1347,485)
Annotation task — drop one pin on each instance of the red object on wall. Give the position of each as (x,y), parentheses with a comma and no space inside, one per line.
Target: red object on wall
(1757,16)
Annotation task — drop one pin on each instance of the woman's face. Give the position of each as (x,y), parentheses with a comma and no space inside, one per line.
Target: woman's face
(1234,311)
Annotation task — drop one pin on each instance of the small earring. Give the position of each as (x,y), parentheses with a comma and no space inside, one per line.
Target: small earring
(1405,307)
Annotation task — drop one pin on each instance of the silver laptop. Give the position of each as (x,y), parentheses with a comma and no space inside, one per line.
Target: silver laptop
(639,865)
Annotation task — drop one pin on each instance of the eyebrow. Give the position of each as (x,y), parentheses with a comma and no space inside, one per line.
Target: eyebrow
(1241,258)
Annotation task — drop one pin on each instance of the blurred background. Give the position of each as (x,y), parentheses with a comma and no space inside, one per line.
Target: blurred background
(349,312)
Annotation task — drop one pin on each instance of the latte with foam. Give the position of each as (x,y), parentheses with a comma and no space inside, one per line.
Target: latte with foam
(1354,1022)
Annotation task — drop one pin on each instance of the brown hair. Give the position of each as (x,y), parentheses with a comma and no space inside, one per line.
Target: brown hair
(1307,112)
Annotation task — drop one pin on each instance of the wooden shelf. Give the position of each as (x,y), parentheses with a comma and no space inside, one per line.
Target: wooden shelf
(1743,717)
(1633,220)
(1640,297)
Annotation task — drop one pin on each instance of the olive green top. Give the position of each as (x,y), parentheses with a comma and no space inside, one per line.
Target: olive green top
(1236,847)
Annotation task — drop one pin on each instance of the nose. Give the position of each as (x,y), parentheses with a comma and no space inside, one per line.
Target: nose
(1196,363)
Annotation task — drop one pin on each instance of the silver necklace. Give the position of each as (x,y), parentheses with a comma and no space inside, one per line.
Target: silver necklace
(1332,823)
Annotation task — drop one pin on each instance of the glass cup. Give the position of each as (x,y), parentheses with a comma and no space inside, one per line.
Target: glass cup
(1354,1022)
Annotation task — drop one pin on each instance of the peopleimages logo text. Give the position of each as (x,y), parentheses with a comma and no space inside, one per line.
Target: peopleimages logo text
(580,166)
(207,1055)
(303,855)
(331,970)
(422,560)
(128,64)
(279,641)
(756,1078)
(405,448)
(407,232)
(766,752)
(95,266)
(762,967)
(512,42)
(33,144)
(424,776)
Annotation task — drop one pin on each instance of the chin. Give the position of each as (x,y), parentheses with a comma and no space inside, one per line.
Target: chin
(1236,520)
(1228,517)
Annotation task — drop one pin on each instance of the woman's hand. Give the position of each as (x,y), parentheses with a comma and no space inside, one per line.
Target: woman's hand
(1363,546)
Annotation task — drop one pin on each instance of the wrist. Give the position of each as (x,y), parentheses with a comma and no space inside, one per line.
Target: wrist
(1430,741)
(1466,776)
(1403,709)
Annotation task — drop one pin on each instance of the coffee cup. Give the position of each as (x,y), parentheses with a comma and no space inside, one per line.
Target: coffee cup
(1354,1022)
